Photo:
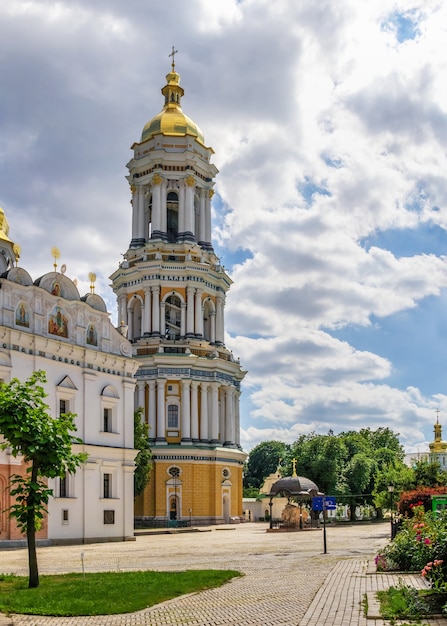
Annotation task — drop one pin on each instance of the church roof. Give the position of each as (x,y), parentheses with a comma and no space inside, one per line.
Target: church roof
(294,486)
(171,121)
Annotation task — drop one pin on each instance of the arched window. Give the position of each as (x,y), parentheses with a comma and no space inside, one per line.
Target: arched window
(172,416)
(173,317)
(172,216)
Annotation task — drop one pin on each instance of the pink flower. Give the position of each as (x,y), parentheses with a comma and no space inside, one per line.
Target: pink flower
(424,573)
(427,541)
(437,562)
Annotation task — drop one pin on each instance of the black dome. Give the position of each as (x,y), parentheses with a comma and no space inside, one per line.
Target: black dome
(294,486)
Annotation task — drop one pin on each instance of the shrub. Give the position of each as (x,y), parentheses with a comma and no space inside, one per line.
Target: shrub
(422,539)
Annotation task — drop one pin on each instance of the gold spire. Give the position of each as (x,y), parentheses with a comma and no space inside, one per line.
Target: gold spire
(171,121)
(13,249)
(92,279)
(55,253)
(173,53)
(16,248)
(438,445)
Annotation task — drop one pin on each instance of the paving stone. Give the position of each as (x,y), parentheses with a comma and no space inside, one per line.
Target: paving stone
(287,581)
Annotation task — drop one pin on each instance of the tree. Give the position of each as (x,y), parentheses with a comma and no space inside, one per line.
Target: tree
(143,460)
(320,458)
(45,443)
(428,474)
(263,460)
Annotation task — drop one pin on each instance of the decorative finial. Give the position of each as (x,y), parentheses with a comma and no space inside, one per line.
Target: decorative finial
(55,253)
(293,467)
(17,250)
(92,278)
(173,53)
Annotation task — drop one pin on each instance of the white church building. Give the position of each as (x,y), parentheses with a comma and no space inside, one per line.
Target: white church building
(46,325)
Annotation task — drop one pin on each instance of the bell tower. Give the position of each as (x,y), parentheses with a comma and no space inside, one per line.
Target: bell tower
(171,292)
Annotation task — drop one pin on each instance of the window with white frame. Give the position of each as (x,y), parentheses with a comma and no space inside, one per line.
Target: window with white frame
(107,425)
(65,396)
(64,487)
(107,485)
(173,416)
(109,410)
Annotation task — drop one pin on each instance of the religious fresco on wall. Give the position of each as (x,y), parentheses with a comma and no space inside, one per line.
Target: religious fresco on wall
(56,288)
(58,323)
(22,315)
(92,336)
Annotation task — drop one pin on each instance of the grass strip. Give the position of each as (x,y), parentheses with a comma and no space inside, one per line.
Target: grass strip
(104,593)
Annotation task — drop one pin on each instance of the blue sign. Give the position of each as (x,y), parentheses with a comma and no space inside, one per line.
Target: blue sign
(324,503)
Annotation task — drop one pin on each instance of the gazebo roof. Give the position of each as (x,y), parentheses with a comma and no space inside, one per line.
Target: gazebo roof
(294,486)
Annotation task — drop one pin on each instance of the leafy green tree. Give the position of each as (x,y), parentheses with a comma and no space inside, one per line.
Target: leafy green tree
(428,474)
(262,461)
(45,443)
(395,473)
(320,458)
(143,460)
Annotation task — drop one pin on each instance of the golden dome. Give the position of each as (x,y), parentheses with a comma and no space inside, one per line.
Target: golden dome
(171,121)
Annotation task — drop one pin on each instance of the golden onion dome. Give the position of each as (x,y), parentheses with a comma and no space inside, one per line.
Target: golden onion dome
(171,121)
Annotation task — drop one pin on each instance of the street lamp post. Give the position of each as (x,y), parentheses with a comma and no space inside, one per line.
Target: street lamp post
(391,492)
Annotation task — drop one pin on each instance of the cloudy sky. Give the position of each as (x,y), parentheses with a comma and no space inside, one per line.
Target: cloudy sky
(329,123)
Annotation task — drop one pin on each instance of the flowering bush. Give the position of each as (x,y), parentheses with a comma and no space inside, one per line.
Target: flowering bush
(434,573)
(421,540)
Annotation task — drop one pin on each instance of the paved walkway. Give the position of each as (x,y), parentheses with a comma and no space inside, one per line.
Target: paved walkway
(288,580)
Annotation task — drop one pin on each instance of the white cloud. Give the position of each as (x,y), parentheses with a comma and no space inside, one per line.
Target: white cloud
(329,122)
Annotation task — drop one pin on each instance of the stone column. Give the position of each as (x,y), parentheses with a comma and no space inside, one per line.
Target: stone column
(181,210)
(141,387)
(198,314)
(156,311)
(219,320)
(194,411)
(237,419)
(186,411)
(229,417)
(202,217)
(214,421)
(164,210)
(183,320)
(122,312)
(129,316)
(161,412)
(190,311)
(204,433)
(152,411)
(213,327)
(147,311)
(162,318)
(189,208)
(208,216)
(134,203)
(141,233)
(156,206)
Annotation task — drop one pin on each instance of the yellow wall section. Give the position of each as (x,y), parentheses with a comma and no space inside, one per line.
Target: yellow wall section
(200,489)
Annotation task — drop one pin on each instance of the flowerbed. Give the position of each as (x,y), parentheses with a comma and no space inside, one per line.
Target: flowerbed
(420,545)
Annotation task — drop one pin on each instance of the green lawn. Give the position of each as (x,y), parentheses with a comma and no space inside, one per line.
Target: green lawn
(103,593)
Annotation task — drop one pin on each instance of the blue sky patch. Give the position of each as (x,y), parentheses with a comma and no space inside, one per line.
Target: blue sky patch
(403,339)
(428,238)
(308,189)
(405,25)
